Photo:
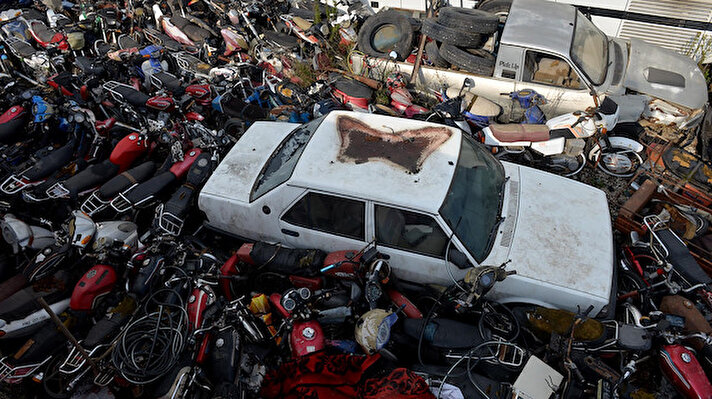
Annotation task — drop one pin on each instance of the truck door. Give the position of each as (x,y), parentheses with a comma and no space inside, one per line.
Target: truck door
(324,221)
(557,80)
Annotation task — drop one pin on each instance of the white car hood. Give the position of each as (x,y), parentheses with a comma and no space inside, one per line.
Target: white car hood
(562,235)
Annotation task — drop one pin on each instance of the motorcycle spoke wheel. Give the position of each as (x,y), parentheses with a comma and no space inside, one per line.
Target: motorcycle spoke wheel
(54,382)
(619,162)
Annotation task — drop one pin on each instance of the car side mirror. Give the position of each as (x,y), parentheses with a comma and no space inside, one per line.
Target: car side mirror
(457,258)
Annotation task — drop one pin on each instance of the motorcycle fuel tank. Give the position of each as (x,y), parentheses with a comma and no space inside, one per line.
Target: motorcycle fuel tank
(95,283)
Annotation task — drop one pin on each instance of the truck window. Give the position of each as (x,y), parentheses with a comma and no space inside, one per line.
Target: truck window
(549,70)
(330,214)
(409,231)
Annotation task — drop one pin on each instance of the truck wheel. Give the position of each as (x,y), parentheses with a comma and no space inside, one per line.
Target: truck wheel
(455,36)
(431,49)
(500,8)
(479,62)
(385,32)
(468,19)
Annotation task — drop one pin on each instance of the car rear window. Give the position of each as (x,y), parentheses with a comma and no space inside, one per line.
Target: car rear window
(281,164)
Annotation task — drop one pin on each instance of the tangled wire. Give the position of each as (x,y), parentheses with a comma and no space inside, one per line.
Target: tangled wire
(150,346)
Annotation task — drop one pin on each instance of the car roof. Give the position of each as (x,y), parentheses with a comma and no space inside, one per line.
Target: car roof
(540,24)
(398,161)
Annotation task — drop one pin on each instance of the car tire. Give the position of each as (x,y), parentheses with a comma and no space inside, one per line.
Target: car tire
(479,62)
(500,8)
(469,20)
(374,23)
(455,36)
(433,52)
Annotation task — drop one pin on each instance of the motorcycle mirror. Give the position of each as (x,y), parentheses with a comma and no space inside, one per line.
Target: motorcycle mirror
(393,55)
(458,258)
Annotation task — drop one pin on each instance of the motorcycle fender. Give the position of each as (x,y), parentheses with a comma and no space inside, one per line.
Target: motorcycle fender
(96,283)
(27,325)
(616,142)
(549,147)
(179,169)
(682,368)
(127,150)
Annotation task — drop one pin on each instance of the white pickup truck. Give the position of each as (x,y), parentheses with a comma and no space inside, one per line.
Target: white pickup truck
(555,50)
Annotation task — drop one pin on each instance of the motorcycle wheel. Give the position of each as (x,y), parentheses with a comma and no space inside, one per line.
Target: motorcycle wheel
(618,162)
(565,170)
(54,382)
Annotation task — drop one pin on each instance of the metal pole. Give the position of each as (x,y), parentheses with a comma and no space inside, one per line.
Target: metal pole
(421,47)
(68,334)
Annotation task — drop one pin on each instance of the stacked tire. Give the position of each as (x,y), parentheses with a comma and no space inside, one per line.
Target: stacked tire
(457,38)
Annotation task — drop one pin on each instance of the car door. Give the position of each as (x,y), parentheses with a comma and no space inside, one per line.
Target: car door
(557,80)
(415,243)
(324,221)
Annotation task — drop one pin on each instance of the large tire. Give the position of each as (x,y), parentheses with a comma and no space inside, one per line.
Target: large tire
(431,49)
(500,8)
(399,22)
(479,62)
(468,19)
(454,36)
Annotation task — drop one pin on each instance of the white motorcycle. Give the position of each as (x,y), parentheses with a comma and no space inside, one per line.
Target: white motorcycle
(559,144)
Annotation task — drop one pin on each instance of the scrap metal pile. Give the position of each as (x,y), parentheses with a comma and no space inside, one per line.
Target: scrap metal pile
(388,246)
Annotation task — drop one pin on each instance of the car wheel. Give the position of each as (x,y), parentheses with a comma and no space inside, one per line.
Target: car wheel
(385,32)
(500,8)
(454,36)
(433,52)
(469,20)
(479,62)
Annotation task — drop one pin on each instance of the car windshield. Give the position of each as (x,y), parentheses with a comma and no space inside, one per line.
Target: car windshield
(589,49)
(473,204)
(281,164)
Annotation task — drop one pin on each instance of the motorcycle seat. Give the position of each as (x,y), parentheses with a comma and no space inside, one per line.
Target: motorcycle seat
(126,42)
(194,32)
(91,176)
(682,261)
(150,188)
(86,64)
(52,162)
(171,83)
(132,96)
(41,30)
(23,48)
(510,133)
(121,182)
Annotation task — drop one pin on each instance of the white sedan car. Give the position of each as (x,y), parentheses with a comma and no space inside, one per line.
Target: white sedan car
(419,190)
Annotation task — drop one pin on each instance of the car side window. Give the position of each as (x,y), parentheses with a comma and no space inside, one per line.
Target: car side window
(550,70)
(409,231)
(330,214)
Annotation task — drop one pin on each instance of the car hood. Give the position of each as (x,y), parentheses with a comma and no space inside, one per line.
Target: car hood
(562,235)
(665,74)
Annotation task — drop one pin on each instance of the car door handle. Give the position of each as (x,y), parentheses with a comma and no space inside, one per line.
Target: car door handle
(290,233)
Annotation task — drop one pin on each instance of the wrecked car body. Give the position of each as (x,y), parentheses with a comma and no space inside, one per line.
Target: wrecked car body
(412,188)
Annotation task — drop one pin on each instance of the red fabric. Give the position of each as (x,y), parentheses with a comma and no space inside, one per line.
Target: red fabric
(317,376)
(401,383)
